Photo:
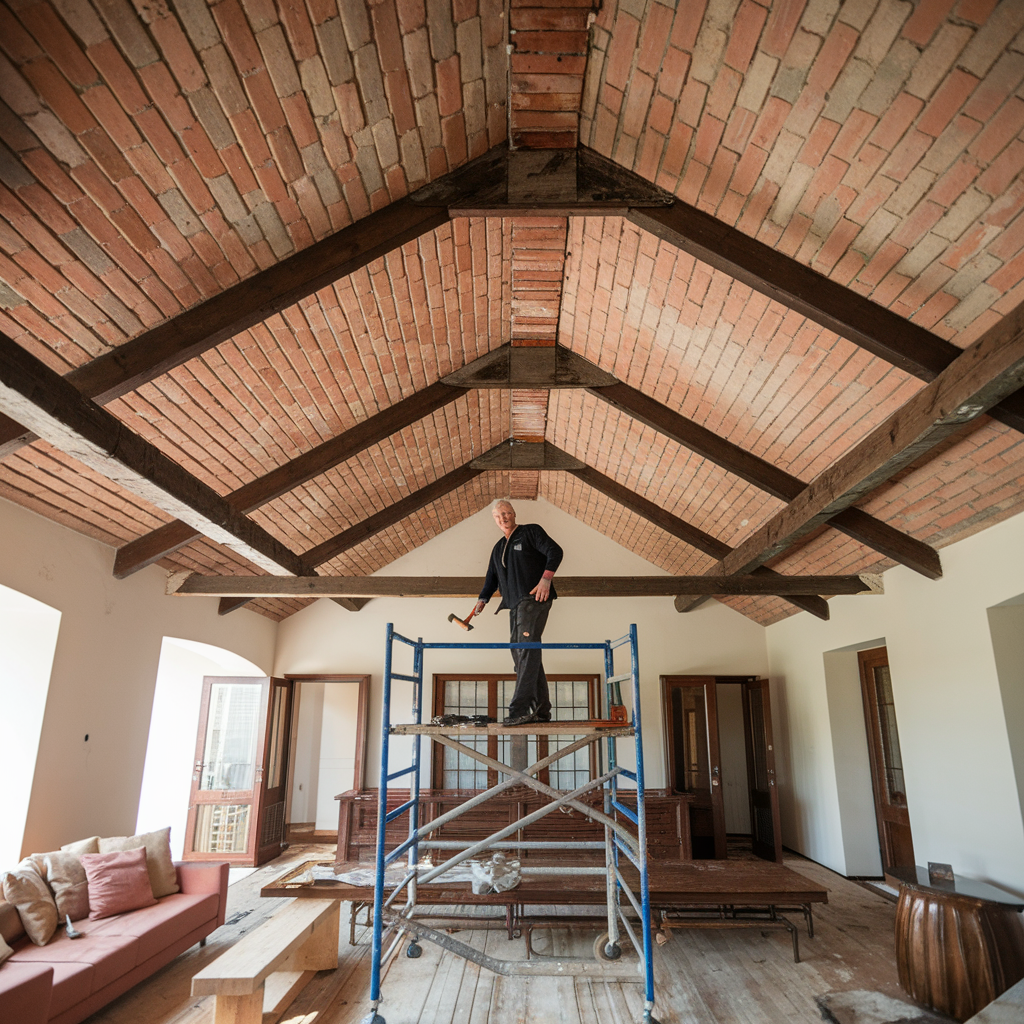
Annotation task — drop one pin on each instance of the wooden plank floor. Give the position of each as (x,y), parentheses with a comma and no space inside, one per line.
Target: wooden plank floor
(703,977)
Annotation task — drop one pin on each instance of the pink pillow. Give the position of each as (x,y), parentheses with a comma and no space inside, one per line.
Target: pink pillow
(117,882)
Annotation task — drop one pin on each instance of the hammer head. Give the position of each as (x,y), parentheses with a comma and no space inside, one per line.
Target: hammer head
(454,618)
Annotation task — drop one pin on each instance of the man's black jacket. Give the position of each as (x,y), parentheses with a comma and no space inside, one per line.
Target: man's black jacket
(517,564)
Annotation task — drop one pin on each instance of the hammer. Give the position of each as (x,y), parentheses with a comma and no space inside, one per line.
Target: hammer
(464,623)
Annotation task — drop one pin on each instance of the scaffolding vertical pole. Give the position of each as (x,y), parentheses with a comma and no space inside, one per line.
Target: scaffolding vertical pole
(611,851)
(414,786)
(382,817)
(641,814)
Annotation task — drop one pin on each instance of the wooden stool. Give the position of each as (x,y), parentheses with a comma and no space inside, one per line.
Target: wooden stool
(257,979)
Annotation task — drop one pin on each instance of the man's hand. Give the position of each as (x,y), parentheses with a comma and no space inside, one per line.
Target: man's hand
(479,607)
(543,589)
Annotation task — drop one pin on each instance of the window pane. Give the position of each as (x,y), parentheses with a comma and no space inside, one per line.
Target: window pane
(221,828)
(231,736)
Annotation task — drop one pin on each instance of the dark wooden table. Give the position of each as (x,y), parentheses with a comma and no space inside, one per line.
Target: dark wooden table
(687,894)
(959,944)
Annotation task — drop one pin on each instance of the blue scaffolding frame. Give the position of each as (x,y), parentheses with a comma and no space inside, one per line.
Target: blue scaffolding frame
(619,840)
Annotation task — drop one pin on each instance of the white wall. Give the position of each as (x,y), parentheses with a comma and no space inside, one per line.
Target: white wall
(961,788)
(104,672)
(714,640)
(28,638)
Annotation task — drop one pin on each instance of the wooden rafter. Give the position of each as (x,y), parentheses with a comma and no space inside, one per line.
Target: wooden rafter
(55,410)
(981,376)
(853,522)
(196,585)
(166,539)
(243,305)
(686,532)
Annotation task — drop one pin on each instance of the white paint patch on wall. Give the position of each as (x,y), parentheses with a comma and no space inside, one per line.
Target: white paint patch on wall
(28,638)
(714,640)
(961,788)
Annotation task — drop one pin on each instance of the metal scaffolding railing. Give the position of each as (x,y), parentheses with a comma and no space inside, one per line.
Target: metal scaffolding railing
(625,829)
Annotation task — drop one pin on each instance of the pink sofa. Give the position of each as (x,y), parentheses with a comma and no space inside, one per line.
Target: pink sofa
(66,980)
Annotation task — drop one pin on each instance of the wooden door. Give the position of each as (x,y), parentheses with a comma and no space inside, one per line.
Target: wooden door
(272,773)
(241,721)
(694,767)
(895,840)
(765,826)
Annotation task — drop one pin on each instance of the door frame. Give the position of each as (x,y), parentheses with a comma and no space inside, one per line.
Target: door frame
(717,798)
(362,733)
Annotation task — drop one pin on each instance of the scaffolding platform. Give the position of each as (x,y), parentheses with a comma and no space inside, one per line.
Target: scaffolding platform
(628,911)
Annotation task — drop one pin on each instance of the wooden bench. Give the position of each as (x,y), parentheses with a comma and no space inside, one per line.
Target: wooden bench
(257,979)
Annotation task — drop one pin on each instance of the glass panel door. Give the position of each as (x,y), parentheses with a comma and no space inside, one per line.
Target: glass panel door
(227,777)
(765,826)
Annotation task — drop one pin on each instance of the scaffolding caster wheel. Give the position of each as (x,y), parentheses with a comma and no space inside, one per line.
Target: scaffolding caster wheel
(373,1017)
(414,950)
(605,950)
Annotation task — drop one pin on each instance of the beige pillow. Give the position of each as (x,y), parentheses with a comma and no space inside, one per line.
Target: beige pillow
(25,888)
(66,879)
(90,845)
(162,876)
(5,950)
(10,923)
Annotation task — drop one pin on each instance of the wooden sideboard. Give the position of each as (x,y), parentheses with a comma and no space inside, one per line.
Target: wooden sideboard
(959,945)
(668,820)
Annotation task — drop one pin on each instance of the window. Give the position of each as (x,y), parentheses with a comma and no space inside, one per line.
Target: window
(573,698)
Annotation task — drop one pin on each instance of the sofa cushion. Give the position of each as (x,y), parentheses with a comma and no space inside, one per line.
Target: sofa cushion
(80,846)
(157,927)
(110,956)
(25,991)
(117,882)
(162,876)
(66,878)
(72,982)
(25,888)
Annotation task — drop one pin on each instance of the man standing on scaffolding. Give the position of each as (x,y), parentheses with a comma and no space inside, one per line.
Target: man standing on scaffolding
(522,567)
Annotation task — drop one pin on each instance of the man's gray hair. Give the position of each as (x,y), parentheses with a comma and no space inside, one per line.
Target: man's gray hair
(502,503)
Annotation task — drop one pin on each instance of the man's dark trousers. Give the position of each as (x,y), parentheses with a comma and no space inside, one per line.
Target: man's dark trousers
(526,625)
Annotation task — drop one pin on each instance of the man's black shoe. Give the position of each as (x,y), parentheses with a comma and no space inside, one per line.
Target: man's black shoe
(521,719)
(542,717)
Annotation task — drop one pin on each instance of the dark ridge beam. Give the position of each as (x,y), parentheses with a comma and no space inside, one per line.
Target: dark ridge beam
(687,533)
(855,523)
(250,302)
(783,279)
(167,539)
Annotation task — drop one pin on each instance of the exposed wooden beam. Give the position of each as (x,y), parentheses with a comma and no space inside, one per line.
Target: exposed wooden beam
(684,531)
(55,410)
(352,604)
(196,585)
(244,305)
(986,371)
(362,531)
(533,366)
(787,281)
(165,540)
(853,522)
(516,454)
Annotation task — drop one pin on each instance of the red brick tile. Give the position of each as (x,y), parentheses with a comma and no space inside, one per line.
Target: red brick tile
(852,134)
(42,21)
(976,11)
(178,52)
(738,130)
(1003,170)
(723,93)
(896,120)
(689,18)
(782,24)
(948,189)
(709,134)
(673,72)
(772,118)
(59,96)
(748,170)
(832,57)
(621,51)
(818,142)
(657,29)
(746,30)
(660,119)
(926,18)
(999,131)
(947,101)
(449,86)
(677,149)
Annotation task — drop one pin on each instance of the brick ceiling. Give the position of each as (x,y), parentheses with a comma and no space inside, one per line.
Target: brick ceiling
(154,155)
